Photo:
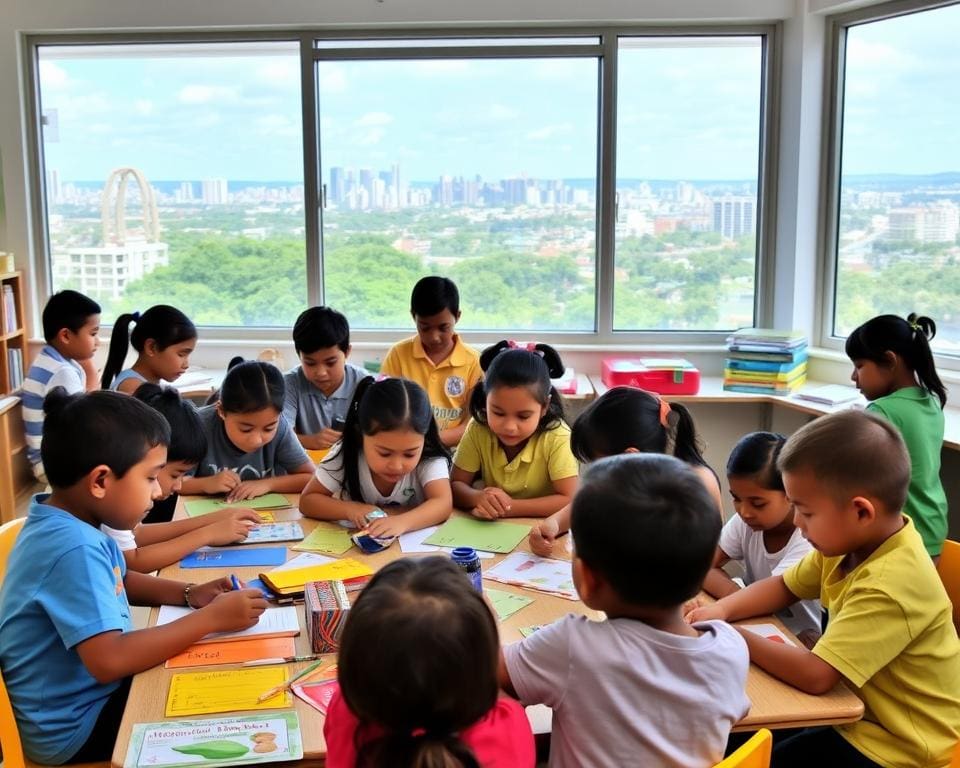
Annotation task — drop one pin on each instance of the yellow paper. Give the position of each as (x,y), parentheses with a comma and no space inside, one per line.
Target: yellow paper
(266,516)
(338,570)
(228,690)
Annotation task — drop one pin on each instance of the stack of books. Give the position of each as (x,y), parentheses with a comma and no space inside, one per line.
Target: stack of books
(765,361)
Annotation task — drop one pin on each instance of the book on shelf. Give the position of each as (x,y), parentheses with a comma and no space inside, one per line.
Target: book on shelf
(10,323)
(773,336)
(761,366)
(14,368)
(796,355)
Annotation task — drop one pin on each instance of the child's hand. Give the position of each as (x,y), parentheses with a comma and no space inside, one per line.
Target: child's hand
(707,612)
(327,437)
(201,594)
(223,482)
(387,526)
(359,519)
(543,536)
(248,489)
(228,531)
(234,513)
(236,610)
(691,605)
(494,503)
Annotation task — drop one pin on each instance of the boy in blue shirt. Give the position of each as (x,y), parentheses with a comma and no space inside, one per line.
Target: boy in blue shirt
(319,390)
(67,648)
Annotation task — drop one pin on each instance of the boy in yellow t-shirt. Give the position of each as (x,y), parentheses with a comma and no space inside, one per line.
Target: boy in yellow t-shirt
(890,633)
(436,358)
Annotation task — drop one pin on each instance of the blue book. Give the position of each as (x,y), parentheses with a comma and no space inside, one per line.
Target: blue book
(215,557)
(761,366)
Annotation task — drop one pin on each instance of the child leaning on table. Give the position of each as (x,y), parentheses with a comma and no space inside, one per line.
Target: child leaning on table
(641,687)
(891,632)
(67,645)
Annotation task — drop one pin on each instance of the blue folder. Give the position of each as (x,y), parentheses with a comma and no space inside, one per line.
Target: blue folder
(228,558)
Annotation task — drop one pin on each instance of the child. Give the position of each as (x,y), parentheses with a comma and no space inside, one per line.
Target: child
(71,324)
(152,546)
(628,420)
(762,534)
(251,449)
(164,339)
(390,458)
(319,390)
(641,687)
(891,633)
(436,358)
(517,441)
(420,625)
(67,648)
(893,368)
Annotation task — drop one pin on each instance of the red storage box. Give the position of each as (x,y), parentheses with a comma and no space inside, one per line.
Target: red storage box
(665,376)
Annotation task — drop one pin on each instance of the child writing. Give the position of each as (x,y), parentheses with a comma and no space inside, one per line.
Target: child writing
(390,458)
(420,625)
(436,358)
(319,390)
(152,546)
(891,633)
(628,420)
(67,646)
(71,327)
(641,687)
(251,449)
(893,368)
(762,535)
(517,442)
(163,337)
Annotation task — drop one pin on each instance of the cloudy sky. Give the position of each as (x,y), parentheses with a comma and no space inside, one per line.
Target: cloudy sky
(687,110)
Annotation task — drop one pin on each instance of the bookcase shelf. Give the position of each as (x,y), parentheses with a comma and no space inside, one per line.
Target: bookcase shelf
(13,337)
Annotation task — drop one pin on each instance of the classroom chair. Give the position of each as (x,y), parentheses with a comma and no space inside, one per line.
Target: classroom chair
(753,754)
(949,569)
(8,535)
(955,762)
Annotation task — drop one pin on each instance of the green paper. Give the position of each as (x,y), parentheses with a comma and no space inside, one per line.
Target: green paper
(479,534)
(332,539)
(506,603)
(197,507)
(527,631)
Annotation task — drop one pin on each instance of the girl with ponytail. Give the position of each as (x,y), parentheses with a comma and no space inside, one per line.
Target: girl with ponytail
(420,625)
(163,337)
(517,443)
(893,367)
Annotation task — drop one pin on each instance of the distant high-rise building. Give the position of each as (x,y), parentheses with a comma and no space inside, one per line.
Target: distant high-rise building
(54,189)
(941,222)
(336,192)
(186,191)
(214,191)
(734,216)
(905,224)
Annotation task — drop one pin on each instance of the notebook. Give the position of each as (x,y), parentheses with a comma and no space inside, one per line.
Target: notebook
(216,557)
(288,581)
(274,622)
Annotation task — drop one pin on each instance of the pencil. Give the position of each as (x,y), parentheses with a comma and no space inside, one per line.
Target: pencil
(286,686)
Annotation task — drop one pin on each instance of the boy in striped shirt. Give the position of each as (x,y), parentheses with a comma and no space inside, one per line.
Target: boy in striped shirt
(71,327)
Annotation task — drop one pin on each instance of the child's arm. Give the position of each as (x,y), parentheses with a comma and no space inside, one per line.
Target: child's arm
(718,583)
(90,371)
(291,483)
(318,502)
(545,505)
(793,664)
(503,677)
(223,482)
(164,552)
(325,438)
(153,533)
(436,508)
(451,436)
(114,655)
(465,496)
(543,535)
(759,599)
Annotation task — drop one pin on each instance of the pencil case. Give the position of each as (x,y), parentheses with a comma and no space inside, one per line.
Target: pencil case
(326,607)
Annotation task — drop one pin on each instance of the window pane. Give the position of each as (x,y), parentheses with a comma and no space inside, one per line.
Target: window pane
(452,42)
(688,149)
(174,174)
(480,170)
(899,210)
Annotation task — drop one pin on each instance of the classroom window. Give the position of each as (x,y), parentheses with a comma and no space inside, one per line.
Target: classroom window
(895,247)
(180,166)
(687,181)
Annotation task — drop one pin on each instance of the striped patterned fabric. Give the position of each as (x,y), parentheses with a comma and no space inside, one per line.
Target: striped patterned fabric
(49,370)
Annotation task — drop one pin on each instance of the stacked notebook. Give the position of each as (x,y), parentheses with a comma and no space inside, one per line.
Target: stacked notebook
(765,361)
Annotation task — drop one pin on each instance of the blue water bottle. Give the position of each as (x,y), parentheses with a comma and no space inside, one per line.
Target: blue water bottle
(469,562)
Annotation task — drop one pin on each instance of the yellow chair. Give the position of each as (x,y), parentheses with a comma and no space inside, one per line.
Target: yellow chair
(9,736)
(754,754)
(955,762)
(949,569)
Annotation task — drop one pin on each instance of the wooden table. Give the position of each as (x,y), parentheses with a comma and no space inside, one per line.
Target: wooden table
(775,704)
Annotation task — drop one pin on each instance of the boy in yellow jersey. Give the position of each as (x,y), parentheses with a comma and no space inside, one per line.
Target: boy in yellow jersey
(436,358)
(890,632)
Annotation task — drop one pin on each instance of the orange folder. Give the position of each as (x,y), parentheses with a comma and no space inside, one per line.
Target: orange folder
(233,652)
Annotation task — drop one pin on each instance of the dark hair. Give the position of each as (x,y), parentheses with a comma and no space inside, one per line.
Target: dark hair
(627,417)
(755,456)
(81,432)
(851,453)
(250,386)
(188,441)
(506,365)
(432,295)
(421,626)
(383,406)
(67,309)
(320,328)
(647,524)
(164,324)
(908,339)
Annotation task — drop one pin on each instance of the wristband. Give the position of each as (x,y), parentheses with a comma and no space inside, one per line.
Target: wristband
(186,594)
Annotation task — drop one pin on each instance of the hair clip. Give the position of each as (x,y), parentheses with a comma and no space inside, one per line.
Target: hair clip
(668,417)
(914,326)
(529,346)
(135,316)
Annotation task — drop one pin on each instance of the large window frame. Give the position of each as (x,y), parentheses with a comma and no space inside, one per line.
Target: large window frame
(311,53)
(828,262)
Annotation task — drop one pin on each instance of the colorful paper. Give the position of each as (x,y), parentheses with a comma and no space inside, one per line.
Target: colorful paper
(197,507)
(317,695)
(505,604)
(228,690)
(338,570)
(274,622)
(237,652)
(485,535)
(529,571)
(326,607)
(326,538)
(219,557)
(769,631)
(229,741)
(274,532)
(412,543)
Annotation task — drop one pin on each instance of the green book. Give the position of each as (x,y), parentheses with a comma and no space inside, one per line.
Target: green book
(480,534)
(197,507)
